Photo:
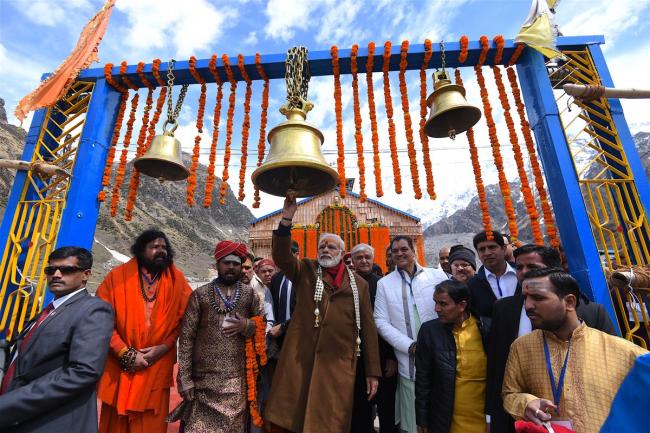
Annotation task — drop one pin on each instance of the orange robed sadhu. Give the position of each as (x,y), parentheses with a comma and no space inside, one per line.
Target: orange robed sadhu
(139,401)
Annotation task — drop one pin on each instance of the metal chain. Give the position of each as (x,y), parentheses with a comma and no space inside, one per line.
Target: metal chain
(173,115)
(297,76)
(442,54)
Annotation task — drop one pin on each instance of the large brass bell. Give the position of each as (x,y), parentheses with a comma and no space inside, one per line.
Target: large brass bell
(450,113)
(295,160)
(163,160)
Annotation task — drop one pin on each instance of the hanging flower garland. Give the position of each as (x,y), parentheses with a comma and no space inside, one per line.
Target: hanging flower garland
(121,168)
(485,48)
(408,126)
(516,149)
(209,181)
(476,166)
(494,141)
(516,54)
(500,44)
(110,156)
(358,136)
(255,348)
(391,124)
(340,161)
(373,119)
(245,126)
(160,102)
(424,138)
(142,135)
(464,49)
(229,121)
(549,220)
(261,144)
(196,151)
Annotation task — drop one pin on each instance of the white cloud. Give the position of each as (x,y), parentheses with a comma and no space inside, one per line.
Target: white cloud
(611,18)
(286,16)
(251,39)
(337,21)
(48,13)
(187,27)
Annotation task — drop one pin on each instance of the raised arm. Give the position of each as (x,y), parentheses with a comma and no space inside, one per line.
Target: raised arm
(281,249)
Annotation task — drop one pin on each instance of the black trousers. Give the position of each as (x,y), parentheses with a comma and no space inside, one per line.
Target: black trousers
(386,404)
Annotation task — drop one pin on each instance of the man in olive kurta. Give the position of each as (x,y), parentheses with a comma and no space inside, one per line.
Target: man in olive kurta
(313,386)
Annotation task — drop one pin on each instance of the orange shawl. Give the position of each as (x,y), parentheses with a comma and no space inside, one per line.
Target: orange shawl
(141,390)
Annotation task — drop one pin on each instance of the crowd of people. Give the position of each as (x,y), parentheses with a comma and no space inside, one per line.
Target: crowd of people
(458,348)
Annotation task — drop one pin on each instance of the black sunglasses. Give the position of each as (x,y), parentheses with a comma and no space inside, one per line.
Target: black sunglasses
(65,270)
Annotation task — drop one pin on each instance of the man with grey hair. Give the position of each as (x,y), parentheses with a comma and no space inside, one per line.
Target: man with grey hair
(363,257)
(331,327)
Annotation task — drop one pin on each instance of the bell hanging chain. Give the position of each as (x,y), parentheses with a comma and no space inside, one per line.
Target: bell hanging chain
(172,115)
(442,54)
(297,76)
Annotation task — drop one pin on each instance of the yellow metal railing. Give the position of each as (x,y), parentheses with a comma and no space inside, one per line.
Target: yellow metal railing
(37,216)
(617,217)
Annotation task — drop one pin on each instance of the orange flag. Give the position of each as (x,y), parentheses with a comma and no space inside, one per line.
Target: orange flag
(86,52)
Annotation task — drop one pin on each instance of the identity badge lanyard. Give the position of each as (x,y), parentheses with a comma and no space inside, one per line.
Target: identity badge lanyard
(557,390)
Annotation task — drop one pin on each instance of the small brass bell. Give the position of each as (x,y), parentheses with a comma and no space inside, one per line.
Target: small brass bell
(450,113)
(295,160)
(163,160)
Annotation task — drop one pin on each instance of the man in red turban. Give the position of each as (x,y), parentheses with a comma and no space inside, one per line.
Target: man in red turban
(226,248)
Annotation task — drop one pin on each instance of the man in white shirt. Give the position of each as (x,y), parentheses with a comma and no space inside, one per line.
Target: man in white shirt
(405,301)
(495,279)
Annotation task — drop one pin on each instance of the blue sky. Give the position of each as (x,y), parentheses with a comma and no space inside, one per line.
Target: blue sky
(36,35)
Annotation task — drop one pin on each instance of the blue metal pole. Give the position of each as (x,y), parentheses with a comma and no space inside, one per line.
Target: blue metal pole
(571,215)
(82,207)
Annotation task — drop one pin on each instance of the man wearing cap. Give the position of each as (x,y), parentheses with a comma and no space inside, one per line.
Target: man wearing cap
(313,385)
(148,294)
(211,353)
(462,262)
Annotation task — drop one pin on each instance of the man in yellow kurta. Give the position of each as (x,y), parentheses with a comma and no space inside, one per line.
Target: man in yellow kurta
(563,372)
(451,365)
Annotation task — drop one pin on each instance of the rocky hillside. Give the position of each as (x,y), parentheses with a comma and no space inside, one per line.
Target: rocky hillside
(464,223)
(192,231)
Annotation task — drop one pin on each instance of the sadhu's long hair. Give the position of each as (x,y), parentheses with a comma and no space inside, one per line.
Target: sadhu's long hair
(138,247)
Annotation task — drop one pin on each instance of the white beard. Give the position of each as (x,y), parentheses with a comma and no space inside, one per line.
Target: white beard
(329,263)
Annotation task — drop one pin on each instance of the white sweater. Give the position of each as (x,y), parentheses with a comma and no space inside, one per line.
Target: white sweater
(393,294)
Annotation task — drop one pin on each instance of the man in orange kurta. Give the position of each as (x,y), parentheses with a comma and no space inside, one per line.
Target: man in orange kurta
(149,295)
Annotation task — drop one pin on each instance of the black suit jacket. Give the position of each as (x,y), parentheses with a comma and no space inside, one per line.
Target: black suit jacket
(504,331)
(53,389)
(482,296)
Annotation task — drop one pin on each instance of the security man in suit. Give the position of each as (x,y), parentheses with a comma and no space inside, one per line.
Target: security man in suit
(55,363)
(509,321)
(494,280)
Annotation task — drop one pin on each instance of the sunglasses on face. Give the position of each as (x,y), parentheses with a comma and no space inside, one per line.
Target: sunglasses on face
(65,270)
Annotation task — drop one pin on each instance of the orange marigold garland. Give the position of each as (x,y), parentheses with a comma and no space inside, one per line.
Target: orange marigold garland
(464,46)
(516,54)
(496,153)
(373,119)
(500,43)
(408,126)
(255,348)
(340,161)
(389,115)
(121,168)
(209,181)
(516,149)
(476,165)
(261,144)
(229,121)
(245,126)
(196,151)
(358,136)
(142,136)
(424,138)
(549,220)
(110,156)
(485,48)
